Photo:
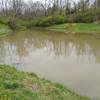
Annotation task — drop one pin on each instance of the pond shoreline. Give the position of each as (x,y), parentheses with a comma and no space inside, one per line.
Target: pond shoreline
(5,30)
(78,28)
(24,86)
(71,93)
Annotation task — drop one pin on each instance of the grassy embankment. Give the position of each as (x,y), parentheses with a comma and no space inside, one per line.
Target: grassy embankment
(17,85)
(4,30)
(7,25)
(77,28)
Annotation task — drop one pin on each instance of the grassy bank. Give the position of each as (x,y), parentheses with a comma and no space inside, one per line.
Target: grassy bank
(8,25)
(4,30)
(77,28)
(17,85)
(51,23)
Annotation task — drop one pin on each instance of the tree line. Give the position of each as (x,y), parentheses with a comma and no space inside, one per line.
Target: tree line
(73,11)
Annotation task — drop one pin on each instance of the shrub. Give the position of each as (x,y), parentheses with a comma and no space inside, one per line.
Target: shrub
(4,20)
(47,21)
(11,85)
(97,15)
(16,24)
(58,19)
(51,20)
(85,17)
(13,24)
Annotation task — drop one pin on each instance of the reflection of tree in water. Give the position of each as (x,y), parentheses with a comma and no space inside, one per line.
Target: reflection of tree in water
(7,52)
(57,43)
(2,51)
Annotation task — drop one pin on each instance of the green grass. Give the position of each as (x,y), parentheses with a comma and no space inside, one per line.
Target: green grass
(4,30)
(15,85)
(79,28)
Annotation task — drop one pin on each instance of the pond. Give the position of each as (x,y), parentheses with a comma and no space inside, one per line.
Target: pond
(72,60)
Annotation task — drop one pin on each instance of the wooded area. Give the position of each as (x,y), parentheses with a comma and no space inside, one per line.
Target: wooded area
(81,11)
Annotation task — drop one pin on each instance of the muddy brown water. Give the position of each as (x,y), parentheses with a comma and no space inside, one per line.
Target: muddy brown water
(72,60)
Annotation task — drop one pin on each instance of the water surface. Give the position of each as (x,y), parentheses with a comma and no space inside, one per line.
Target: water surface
(73,60)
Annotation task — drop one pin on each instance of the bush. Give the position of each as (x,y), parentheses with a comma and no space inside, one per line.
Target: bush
(13,24)
(11,85)
(51,20)
(85,17)
(4,20)
(16,24)
(97,15)
(47,21)
(59,19)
